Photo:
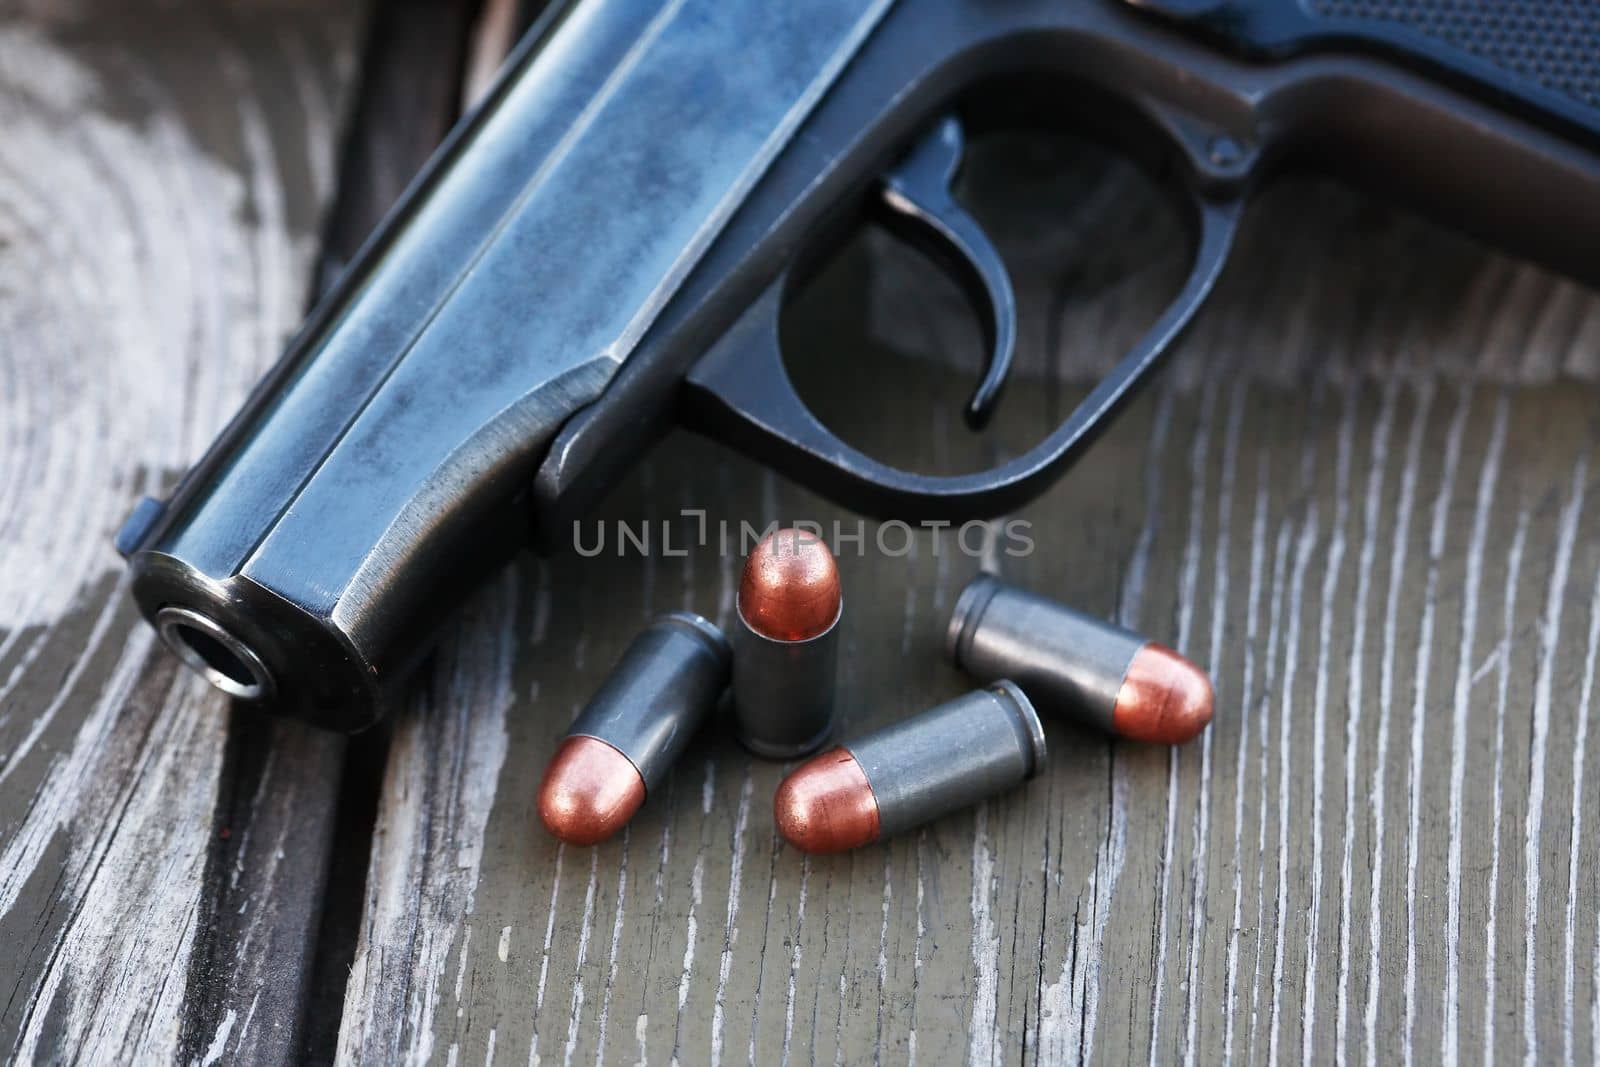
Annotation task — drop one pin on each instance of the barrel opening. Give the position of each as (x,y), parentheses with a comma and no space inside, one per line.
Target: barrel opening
(221,658)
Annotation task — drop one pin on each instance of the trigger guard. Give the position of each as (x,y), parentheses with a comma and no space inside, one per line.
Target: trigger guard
(740,393)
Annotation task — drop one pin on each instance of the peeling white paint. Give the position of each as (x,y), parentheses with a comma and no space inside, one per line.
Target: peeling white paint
(1400,543)
(385,1017)
(1488,479)
(1543,698)
(1069,1006)
(136,907)
(1355,702)
(983,1037)
(144,286)
(730,928)
(135,322)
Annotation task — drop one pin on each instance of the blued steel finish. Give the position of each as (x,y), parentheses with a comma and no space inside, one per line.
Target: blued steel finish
(783,690)
(1070,663)
(667,681)
(605,247)
(383,467)
(951,756)
(918,204)
(1210,126)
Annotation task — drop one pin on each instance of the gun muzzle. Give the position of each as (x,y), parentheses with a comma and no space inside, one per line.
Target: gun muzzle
(384,467)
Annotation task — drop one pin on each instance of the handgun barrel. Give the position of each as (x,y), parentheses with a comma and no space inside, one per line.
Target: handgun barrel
(384,466)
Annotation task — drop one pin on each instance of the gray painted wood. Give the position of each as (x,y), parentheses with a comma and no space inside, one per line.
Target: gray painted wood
(162,176)
(1363,497)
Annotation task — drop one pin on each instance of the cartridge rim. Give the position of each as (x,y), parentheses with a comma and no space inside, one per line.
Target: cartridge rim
(709,632)
(767,750)
(1028,716)
(968,615)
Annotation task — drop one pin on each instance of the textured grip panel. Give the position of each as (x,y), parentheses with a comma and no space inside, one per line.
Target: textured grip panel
(1553,43)
(1539,59)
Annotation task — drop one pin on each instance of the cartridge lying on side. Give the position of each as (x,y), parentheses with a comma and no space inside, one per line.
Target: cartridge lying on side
(914,771)
(1077,666)
(634,728)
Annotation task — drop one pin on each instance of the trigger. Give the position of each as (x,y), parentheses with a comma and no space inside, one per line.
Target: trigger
(918,206)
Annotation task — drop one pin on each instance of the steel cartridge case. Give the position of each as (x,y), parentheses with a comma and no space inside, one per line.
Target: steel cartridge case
(1077,666)
(786,645)
(940,761)
(635,727)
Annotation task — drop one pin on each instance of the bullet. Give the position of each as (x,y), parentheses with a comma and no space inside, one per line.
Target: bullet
(947,758)
(634,728)
(786,645)
(1077,666)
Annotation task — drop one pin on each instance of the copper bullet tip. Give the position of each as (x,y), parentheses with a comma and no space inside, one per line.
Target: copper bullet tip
(827,805)
(790,587)
(1164,698)
(590,791)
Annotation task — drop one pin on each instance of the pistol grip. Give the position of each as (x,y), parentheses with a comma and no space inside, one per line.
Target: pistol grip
(1536,59)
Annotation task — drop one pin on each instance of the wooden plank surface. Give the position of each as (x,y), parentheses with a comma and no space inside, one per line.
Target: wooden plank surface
(163,172)
(1362,497)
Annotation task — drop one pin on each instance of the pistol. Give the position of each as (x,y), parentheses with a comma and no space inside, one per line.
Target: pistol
(603,249)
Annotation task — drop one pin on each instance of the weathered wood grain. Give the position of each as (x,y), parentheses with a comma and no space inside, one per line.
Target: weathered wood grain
(411,90)
(1362,497)
(162,175)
